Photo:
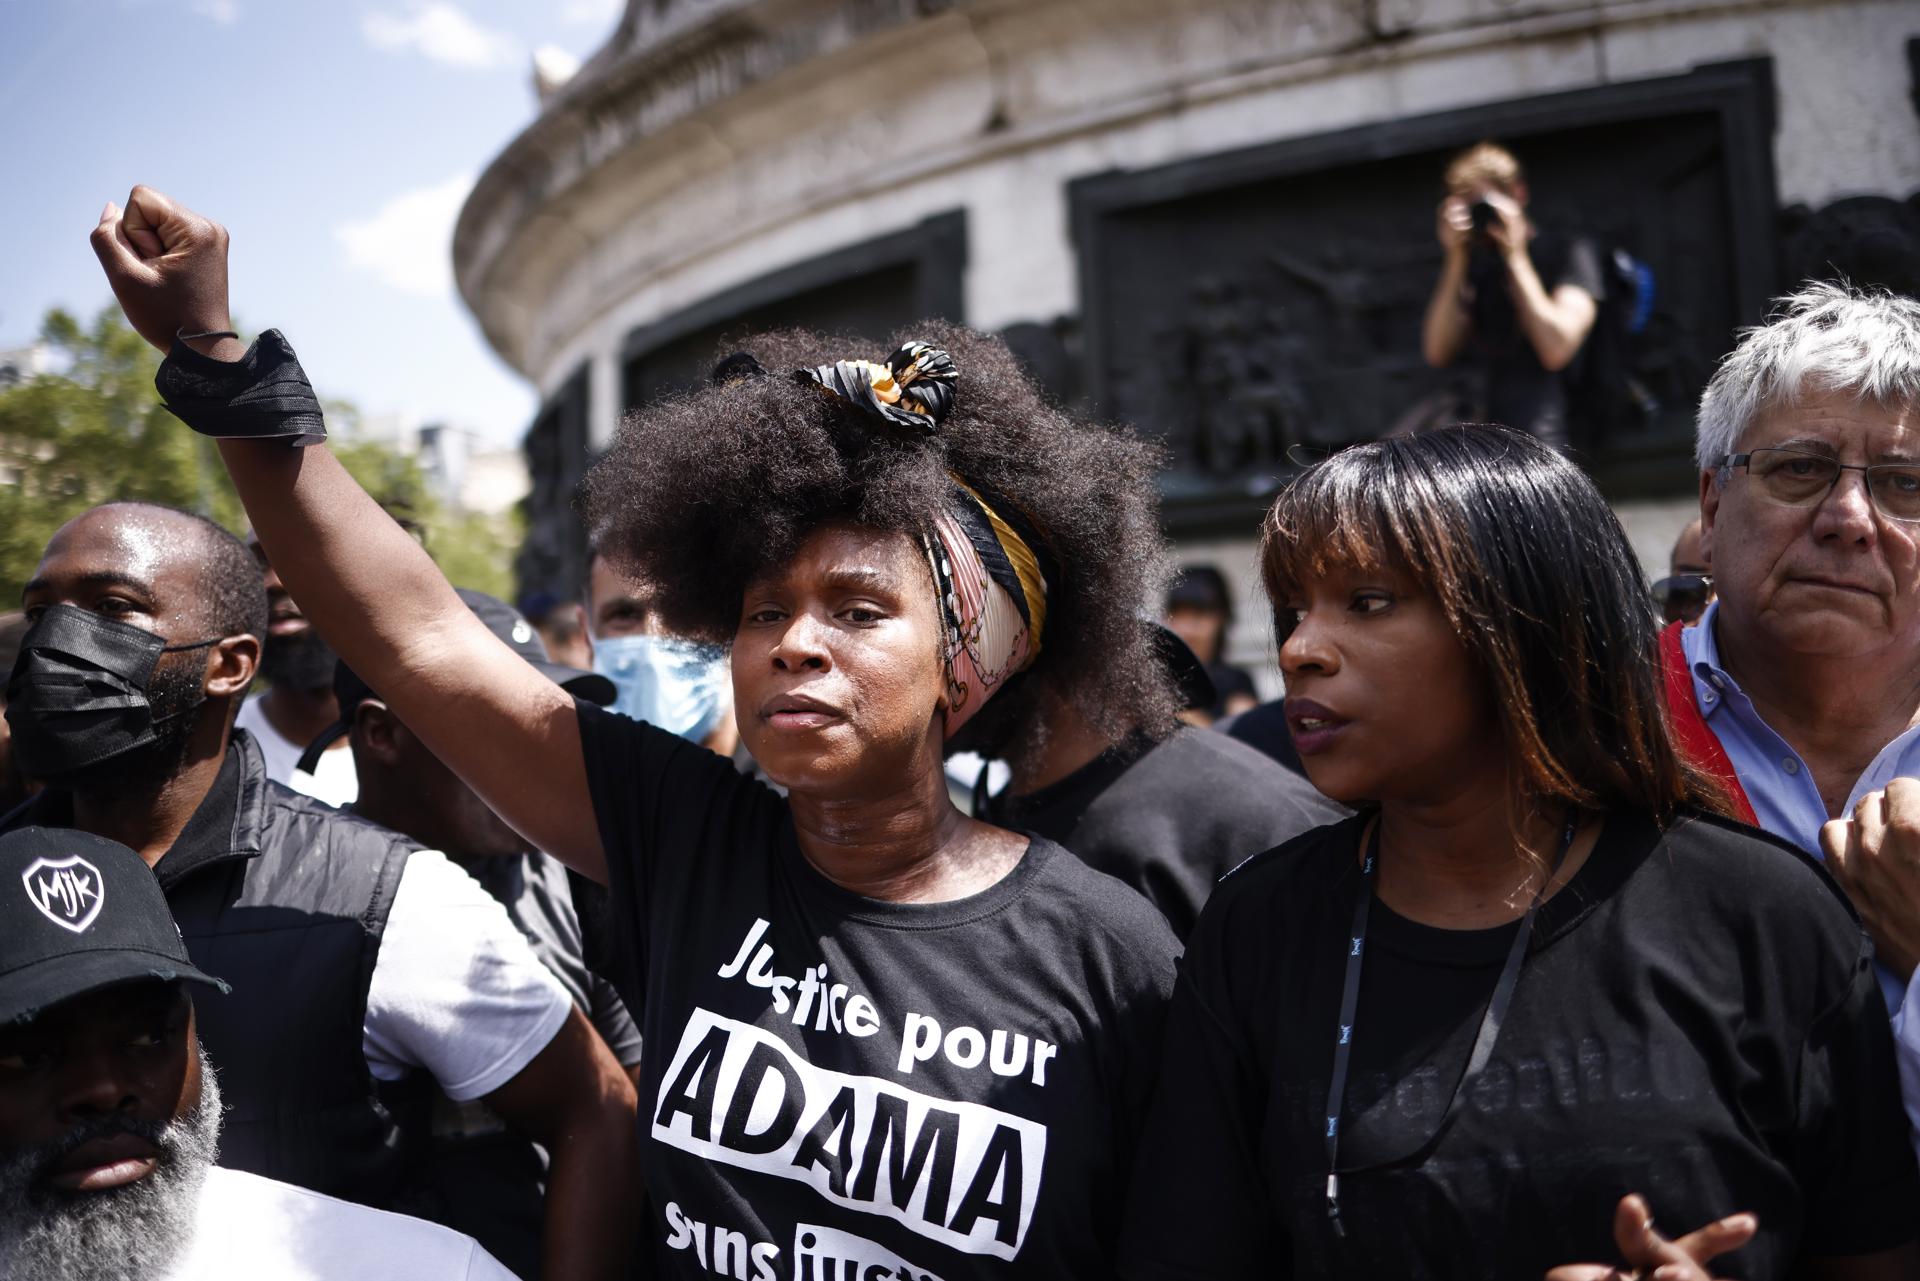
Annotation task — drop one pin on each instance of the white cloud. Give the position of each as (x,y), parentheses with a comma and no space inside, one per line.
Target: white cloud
(221,12)
(443,33)
(408,242)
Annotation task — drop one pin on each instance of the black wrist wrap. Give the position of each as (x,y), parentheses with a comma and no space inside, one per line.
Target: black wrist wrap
(264,395)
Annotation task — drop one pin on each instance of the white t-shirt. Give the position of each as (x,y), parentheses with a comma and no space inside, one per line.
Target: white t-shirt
(334,780)
(456,988)
(254,1229)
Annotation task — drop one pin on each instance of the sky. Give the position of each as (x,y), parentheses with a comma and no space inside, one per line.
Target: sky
(335,139)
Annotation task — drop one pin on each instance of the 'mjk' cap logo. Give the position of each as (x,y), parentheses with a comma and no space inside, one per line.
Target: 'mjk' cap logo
(66,890)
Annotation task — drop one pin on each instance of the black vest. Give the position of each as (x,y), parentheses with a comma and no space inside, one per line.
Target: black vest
(286,898)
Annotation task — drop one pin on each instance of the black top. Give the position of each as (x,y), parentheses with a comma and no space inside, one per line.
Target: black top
(1264,728)
(1516,389)
(1697,1021)
(1228,681)
(1170,818)
(953,1089)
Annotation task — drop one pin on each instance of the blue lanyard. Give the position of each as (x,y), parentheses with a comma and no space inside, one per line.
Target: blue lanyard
(1496,1013)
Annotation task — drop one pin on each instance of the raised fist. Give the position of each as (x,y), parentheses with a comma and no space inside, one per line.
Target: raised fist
(167,266)
(1453,225)
(1875,855)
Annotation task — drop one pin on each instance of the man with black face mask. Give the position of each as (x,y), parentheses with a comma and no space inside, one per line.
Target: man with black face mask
(100,704)
(362,966)
(298,704)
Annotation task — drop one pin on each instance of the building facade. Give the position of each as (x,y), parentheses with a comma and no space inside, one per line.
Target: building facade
(1212,219)
(19,364)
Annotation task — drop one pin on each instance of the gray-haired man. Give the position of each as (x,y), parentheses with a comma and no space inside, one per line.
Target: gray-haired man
(1804,675)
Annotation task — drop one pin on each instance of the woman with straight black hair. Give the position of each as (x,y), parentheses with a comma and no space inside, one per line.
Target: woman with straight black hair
(1537,1002)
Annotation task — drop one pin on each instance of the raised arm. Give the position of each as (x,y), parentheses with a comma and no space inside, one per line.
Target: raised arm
(575,1100)
(1443,332)
(1556,323)
(373,592)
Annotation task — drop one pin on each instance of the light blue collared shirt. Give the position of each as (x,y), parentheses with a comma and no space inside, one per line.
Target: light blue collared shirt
(1787,802)
(1777,782)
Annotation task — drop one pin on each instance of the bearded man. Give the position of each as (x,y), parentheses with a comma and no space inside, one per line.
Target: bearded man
(364,969)
(110,1111)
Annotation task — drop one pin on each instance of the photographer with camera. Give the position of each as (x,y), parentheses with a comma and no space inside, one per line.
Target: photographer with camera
(1513,303)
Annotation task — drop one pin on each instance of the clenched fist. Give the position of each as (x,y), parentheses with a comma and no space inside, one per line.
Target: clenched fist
(1875,855)
(168,268)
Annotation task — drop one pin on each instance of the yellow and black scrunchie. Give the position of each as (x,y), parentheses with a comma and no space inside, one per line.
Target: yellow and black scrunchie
(914,389)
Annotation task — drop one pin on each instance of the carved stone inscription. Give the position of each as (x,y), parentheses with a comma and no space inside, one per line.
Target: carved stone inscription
(1256,322)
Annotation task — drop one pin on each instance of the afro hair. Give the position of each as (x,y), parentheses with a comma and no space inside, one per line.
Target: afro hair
(704,491)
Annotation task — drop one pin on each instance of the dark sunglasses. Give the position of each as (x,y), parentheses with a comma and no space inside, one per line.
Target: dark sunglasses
(1683,596)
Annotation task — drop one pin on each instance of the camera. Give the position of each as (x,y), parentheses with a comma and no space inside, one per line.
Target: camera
(1484,215)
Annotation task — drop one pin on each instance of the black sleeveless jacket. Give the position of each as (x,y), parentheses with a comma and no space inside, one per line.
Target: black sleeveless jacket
(286,898)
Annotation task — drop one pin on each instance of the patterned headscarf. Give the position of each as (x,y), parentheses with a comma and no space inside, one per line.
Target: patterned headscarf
(992,589)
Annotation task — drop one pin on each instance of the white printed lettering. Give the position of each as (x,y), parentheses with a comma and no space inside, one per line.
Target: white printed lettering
(681,1235)
(1042,1051)
(1004,1063)
(862,1018)
(966,1047)
(809,984)
(739,960)
(719,1250)
(918,1042)
(961,1174)
(828,1254)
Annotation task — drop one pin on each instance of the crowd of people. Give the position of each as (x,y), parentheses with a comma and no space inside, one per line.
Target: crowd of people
(1530,935)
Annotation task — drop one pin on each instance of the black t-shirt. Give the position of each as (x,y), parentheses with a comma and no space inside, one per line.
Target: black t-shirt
(950,1090)
(1516,389)
(1697,1021)
(1228,682)
(1170,818)
(1264,728)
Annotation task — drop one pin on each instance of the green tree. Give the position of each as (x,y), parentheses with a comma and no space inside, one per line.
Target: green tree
(95,432)
(474,549)
(92,434)
(477,550)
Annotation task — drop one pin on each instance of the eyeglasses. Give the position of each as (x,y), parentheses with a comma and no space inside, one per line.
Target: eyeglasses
(1800,479)
(1683,598)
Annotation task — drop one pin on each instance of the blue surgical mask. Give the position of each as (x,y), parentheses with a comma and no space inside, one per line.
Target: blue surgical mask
(674,684)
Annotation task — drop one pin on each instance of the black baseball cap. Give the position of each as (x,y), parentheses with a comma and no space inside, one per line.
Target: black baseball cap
(1200,587)
(504,621)
(79,913)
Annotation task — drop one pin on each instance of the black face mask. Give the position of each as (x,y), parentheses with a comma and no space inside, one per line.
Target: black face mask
(79,691)
(303,662)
